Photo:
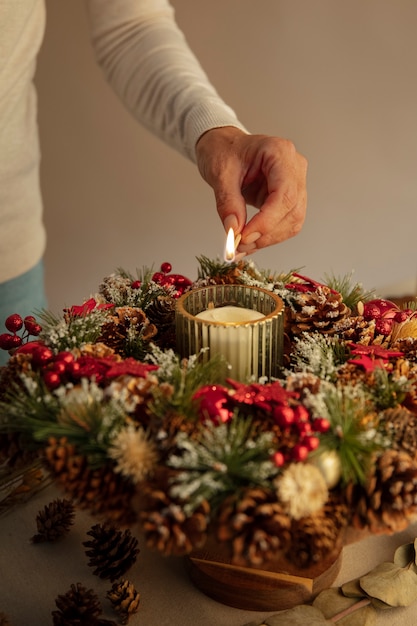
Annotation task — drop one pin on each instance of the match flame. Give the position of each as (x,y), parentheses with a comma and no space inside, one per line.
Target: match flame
(229,253)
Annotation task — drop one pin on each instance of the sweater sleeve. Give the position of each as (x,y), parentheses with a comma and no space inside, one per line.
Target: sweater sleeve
(147,61)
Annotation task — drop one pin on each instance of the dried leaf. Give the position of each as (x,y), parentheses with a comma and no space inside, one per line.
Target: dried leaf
(405,554)
(298,616)
(392,584)
(352,589)
(349,611)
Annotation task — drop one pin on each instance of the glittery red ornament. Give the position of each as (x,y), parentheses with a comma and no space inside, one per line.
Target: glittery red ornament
(13,323)
(166,267)
(136,284)
(52,379)
(9,342)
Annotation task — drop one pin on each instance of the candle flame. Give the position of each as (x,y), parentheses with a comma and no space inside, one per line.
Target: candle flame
(229,254)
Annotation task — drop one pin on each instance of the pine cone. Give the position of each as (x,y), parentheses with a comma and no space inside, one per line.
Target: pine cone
(168,529)
(4,620)
(389,498)
(125,599)
(314,537)
(115,288)
(112,552)
(161,313)
(315,310)
(101,491)
(54,521)
(79,607)
(126,322)
(401,427)
(255,525)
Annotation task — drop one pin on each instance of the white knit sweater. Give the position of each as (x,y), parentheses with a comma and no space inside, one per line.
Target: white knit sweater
(146,60)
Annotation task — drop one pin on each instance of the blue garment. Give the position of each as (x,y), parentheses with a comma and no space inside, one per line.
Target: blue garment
(24,295)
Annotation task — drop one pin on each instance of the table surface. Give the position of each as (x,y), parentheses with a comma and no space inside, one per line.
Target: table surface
(33,575)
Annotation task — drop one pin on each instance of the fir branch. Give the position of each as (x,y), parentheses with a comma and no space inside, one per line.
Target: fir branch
(349,432)
(220,460)
(352,293)
(61,333)
(387,390)
(210,268)
(318,354)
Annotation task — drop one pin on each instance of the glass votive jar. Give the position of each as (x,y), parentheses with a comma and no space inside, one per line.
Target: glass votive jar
(244,324)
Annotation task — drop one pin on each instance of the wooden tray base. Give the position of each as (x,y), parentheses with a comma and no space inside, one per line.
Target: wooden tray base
(279,587)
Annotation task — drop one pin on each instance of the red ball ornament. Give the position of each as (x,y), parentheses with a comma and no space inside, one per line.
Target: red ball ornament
(13,323)
(166,267)
(383,326)
(136,284)
(312,442)
(158,277)
(284,416)
(41,355)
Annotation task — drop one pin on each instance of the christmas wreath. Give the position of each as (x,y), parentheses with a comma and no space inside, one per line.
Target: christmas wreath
(100,400)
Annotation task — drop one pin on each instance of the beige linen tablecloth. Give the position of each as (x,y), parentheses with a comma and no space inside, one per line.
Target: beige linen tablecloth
(32,576)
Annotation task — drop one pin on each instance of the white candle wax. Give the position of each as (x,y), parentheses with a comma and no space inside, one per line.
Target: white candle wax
(231,332)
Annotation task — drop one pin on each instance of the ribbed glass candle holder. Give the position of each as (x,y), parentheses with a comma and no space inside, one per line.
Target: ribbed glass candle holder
(252,347)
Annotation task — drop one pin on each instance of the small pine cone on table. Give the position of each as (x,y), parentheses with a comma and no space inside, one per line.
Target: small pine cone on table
(54,521)
(388,500)
(316,536)
(124,599)
(254,525)
(101,491)
(112,552)
(315,310)
(168,529)
(79,607)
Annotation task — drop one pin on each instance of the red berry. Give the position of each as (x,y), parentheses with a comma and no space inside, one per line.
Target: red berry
(65,357)
(13,323)
(321,425)
(157,277)
(312,442)
(301,414)
(278,459)
(136,284)
(284,416)
(58,367)
(9,342)
(32,326)
(166,267)
(299,452)
(52,379)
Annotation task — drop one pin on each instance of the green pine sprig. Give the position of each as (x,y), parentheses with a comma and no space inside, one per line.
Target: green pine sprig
(219,461)
(352,293)
(347,409)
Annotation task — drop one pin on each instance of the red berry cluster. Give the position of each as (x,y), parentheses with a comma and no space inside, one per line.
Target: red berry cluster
(218,404)
(385,313)
(296,420)
(14,323)
(164,277)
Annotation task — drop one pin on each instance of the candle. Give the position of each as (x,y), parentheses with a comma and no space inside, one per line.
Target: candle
(240,322)
(228,332)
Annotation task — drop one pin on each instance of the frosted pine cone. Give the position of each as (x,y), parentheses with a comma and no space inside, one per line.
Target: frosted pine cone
(125,599)
(54,521)
(401,427)
(112,552)
(101,491)
(168,529)
(316,310)
(128,325)
(255,525)
(388,500)
(161,313)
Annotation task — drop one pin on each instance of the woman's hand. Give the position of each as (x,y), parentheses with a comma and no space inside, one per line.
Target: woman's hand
(262,171)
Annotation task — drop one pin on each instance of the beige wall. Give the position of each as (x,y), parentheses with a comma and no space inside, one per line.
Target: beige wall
(339,78)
